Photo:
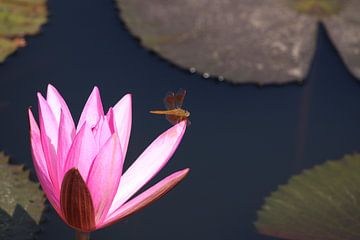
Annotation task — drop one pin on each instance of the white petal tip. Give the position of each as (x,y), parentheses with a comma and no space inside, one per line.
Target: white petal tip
(128,96)
(182,173)
(50,87)
(39,95)
(126,99)
(96,89)
(180,127)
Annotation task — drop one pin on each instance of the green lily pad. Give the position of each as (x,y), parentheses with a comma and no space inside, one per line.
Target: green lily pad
(320,203)
(19,18)
(244,41)
(21,202)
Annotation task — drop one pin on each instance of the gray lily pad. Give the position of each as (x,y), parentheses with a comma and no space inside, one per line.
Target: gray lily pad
(344,31)
(242,41)
(19,18)
(320,203)
(21,202)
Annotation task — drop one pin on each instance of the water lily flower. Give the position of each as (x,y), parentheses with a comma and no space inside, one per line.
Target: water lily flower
(81,168)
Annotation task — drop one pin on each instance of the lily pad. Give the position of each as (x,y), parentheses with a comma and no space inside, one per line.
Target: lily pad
(320,203)
(19,18)
(21,202)
(344,31)
(244,41)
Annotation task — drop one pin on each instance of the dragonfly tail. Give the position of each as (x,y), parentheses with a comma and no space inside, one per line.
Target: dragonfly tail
(158,112)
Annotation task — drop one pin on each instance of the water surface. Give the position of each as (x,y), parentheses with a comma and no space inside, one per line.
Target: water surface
(243,141)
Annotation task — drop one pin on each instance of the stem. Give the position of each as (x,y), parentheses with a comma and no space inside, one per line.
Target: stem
(82,236)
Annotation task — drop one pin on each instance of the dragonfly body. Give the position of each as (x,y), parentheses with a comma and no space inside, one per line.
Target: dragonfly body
(173,103)
(179,112)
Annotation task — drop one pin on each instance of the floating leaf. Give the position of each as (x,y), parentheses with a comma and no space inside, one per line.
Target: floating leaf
(344,31)
(17,19)
(244,41)
(21,202)
(321,203)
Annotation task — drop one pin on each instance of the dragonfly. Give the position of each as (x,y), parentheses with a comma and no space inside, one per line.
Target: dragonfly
(174,112)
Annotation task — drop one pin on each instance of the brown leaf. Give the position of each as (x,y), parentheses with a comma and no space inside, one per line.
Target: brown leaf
(76,203)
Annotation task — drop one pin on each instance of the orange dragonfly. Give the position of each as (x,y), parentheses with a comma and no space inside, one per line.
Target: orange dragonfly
(174,112)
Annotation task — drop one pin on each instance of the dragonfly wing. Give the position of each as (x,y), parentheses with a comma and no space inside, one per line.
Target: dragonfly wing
(173,119)
(179,97)
(169,100)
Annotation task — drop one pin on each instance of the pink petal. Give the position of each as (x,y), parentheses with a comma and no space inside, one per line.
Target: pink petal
(66,125)
(104,177)
(36,145)
(48,120)
(150,162)
(57,103)
(111,120)
(65,136)
(48,188)
(82,152)
(146,198)
(65,140)
(101,132)
(123,117)
(49,138)
(40,164)
(92,111)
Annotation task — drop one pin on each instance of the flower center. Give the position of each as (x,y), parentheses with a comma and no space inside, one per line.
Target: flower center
(318,8)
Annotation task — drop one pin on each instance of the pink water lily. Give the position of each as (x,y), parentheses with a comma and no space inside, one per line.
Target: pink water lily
(81,168)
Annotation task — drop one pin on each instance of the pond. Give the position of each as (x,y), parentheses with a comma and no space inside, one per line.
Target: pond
(243,141)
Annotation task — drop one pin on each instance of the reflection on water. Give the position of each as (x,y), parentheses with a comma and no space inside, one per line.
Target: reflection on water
(304,108)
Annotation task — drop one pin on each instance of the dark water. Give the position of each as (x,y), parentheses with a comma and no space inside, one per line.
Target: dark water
(242,143)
